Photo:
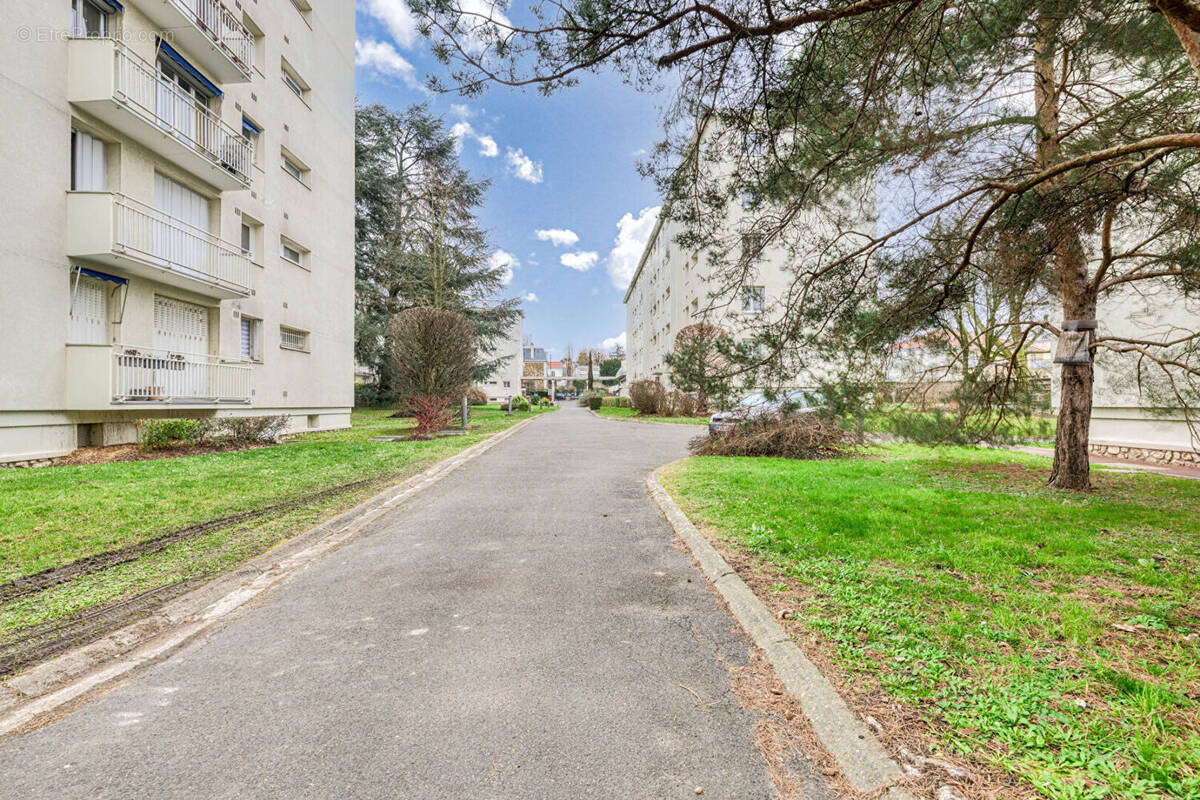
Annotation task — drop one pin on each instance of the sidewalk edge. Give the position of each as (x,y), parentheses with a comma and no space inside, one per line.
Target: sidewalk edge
(857,751)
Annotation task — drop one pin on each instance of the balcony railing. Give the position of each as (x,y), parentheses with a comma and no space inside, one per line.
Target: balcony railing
(155,375)
(224,29)
(138,85)
(164,241)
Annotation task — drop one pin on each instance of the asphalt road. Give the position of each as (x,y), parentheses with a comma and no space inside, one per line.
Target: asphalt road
(523,629)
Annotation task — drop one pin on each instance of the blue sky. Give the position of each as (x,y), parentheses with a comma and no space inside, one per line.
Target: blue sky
(561,165)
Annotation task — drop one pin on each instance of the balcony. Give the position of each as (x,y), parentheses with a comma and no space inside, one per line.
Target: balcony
(106,79)
(137,239)
(101,377)
(208,33)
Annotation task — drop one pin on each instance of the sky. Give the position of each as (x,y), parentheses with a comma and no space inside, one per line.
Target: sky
(567,210)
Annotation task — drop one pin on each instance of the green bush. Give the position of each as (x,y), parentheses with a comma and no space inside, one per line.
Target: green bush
(519,403)
(163,434)
(595,402)
(252,430)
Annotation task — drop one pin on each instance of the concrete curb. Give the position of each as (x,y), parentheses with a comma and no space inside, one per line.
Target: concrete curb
(859,755)
(645,421)
(27,698)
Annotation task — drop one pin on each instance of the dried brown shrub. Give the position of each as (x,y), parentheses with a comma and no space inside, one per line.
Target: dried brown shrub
(805,437)
(647,396)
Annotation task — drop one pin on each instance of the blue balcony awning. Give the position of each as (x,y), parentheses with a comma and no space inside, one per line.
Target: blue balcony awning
(104,276)
(250,126)
(113,5)
(185,65)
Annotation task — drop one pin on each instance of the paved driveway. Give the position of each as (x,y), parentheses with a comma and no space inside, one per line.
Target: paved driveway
(523,629)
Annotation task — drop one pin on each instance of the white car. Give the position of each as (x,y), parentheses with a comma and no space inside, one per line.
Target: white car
(758,405)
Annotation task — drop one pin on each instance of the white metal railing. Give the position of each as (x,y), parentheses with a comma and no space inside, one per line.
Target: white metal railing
(226,31)
(160,102)
(173,244)
(152,374)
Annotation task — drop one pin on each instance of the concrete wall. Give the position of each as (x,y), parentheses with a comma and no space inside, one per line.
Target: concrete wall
(318,298)
(510,372)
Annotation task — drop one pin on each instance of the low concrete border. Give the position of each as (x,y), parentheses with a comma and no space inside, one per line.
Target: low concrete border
(859,755)
(29,698)
(684,425)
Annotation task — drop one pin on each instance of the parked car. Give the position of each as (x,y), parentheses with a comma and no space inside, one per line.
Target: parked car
(758,406)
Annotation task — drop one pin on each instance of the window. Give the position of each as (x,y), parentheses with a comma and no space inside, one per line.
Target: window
(305,9)
(88,168)
(508,384)
(250,236)
(251,330)
(292,339)
(291,252)
(259,38)
(293,81)
(89,18)
(751,247)
(252,134)
(89,311)
(747,198)
(752,299)
(293,166)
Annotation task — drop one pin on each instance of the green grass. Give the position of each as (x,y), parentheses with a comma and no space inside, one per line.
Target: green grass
(55,515)
(952,581)
(629,413)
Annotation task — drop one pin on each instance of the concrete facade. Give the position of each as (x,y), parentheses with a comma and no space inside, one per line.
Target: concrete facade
(506,382)
(138,144)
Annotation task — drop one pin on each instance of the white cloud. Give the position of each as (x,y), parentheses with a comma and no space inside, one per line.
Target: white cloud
(580,261)
(505,261)
(461,110)
(481,21)
(560,237)
(613,341)
(383,59)
(487,145)
(396,17)
(524,167)
(530,297)
(632,235)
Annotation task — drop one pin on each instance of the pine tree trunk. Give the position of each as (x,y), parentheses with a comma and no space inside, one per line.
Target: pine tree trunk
(1071,466)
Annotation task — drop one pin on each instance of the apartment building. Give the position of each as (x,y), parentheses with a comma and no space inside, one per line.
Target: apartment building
(177,237)
(671,289)
(506,382)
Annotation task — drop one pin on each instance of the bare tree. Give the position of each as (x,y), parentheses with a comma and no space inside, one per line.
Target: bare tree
(432,351)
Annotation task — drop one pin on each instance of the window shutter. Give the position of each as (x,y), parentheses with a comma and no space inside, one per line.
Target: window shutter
(89,313)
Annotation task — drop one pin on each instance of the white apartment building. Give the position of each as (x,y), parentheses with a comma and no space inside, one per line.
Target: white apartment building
(506,381)
(178,232)
(671,289)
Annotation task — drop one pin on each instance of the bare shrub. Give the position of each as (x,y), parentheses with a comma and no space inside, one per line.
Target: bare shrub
(476,396)
(681,404)
(433,352)
(804,437)
(252,430)
(432,413)
(647,396)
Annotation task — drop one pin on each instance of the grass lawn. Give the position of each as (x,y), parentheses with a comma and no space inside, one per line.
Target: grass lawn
(1051,637)
(629,413)
(55,515)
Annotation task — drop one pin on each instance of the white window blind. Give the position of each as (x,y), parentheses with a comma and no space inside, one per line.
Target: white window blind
(180,327)
(89,312)
(88,170)
(251,331)
(291,254)
(752,299)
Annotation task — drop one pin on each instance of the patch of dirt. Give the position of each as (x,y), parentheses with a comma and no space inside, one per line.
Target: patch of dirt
(114,453)
(33,645)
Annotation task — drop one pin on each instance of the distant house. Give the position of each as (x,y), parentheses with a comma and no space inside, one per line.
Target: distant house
(535,369)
